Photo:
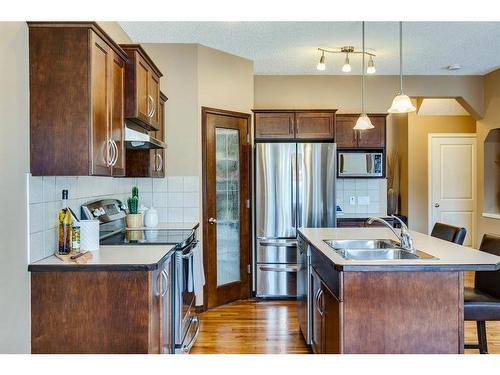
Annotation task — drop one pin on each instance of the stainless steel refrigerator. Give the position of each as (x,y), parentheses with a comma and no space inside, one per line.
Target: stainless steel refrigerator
(294,188)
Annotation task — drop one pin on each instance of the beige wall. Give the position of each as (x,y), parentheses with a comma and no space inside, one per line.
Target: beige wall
(490,121)
(14,164)
(179,65)
(419,127)
(343,92)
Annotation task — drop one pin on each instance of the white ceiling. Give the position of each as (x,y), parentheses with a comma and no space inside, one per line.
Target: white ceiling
(291,47)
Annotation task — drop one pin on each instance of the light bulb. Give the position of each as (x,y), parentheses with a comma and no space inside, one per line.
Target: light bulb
(371,66)
(363,123)
(401,104)
(346,68)
(321,65)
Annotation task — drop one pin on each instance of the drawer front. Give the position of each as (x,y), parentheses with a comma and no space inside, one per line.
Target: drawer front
(276,280)
(277,251)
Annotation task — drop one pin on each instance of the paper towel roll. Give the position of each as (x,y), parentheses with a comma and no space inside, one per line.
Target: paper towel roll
(89,235)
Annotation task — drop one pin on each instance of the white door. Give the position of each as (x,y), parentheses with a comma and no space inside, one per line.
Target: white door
(452,182)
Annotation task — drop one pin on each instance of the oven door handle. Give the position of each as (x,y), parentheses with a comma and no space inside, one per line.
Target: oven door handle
(190,253)
(277,269)
(186,348)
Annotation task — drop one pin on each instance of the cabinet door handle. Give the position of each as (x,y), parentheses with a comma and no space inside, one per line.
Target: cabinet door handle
(320,302)
(164,278)
(152,111)
(158,162)
(159,284)
(110,152)
(115,146)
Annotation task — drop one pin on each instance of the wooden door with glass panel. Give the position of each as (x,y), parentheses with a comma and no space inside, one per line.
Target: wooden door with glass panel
(226,211)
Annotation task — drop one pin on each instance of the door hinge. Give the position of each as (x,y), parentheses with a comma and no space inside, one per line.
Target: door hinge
(249,269)
(248,138)
(248,203)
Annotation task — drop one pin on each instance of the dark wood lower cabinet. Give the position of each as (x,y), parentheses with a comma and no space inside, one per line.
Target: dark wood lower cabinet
(97,312)
(414,312)
(325,318)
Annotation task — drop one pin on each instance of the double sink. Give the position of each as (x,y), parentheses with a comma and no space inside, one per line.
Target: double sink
(384,249)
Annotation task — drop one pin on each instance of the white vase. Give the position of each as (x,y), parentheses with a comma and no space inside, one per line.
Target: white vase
(151,218)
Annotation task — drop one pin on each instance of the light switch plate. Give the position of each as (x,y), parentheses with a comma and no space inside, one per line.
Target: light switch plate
(363,200)
(352,200)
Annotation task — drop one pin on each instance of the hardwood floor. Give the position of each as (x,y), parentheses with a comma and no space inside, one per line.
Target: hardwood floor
(271,327)
(251,327)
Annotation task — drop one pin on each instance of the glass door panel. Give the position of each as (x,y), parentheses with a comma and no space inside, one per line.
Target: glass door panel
(227,161)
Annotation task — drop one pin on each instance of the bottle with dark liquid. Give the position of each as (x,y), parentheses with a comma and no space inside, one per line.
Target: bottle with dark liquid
(65,221)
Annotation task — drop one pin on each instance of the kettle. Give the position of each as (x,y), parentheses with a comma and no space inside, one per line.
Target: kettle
(151,218)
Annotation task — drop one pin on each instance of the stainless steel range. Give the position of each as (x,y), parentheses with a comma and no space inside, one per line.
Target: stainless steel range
(181,322)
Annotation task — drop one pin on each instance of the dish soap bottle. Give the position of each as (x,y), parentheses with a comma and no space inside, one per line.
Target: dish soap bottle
(65,222)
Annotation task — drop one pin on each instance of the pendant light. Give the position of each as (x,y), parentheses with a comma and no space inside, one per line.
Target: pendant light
(363,122)
(346,68)
(401,102)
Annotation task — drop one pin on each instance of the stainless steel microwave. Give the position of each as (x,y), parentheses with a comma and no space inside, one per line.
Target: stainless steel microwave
(360,164)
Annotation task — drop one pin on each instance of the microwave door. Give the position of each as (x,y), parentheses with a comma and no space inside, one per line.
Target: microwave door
(354,164)
(275,190)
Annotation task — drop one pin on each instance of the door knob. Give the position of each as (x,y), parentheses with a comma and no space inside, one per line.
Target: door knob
(436,204)
(212,221)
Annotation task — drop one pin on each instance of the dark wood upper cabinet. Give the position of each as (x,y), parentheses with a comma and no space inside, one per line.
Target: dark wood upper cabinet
(290,124)
(142,88)
(76,100)
(347,137)
(274,125)
(149,163)
(315,125)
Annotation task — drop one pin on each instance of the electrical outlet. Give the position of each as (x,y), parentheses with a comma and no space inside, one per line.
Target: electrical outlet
(363,200)
(352,200)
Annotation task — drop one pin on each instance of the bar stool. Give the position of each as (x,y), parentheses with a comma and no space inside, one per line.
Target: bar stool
(482,303)
(449,233)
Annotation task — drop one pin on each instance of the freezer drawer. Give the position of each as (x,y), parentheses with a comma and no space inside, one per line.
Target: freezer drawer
(277,251)
(276,280)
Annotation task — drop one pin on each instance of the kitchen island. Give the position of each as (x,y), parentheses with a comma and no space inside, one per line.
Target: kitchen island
(386,305)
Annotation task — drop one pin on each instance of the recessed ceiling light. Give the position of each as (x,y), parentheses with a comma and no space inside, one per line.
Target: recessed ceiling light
(454,67)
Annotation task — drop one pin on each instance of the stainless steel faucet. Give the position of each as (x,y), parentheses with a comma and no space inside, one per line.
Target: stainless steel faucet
(405,240)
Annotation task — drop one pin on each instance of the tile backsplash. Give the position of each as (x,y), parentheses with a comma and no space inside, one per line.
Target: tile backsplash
(370,195)
(176,199)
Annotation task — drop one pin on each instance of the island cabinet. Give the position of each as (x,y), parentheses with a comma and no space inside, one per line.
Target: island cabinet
(347,137)
(325,337)
(149,163)
(378,311)
(294,125)
(77,80)
(102,311)
(142,88)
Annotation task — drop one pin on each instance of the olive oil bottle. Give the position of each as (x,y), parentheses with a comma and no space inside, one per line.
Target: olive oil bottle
(65,221)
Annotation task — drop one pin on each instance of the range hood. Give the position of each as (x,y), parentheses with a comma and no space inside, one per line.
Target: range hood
(141,140)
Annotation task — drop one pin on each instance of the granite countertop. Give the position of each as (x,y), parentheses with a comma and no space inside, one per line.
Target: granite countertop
(450,257)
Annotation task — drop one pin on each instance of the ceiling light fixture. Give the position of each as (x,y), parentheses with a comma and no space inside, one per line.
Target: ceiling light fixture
(371,66)
(363,122)
(346,68)
(401,102)
(347,50)
(321,65)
